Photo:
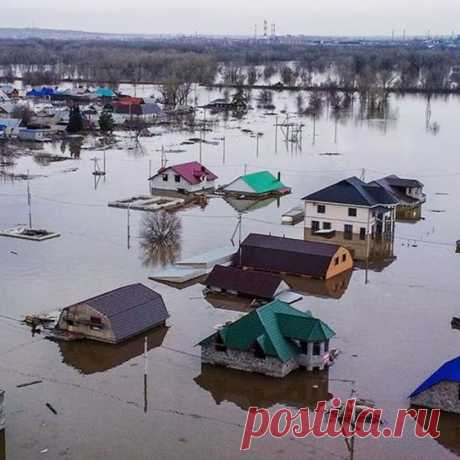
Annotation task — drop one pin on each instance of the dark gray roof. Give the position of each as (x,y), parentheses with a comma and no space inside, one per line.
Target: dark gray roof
(355,192)
(246,282)
(131,309)
(396,181)
(394,185)
(277,254)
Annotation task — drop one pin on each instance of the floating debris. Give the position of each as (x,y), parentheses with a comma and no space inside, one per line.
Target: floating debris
(293,216)
(27,233)
(52,409)
(28,384)
(455,323)
(330,154)
(437,210)
(148,203)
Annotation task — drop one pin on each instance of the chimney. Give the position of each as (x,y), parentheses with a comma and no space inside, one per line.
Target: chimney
(279,176)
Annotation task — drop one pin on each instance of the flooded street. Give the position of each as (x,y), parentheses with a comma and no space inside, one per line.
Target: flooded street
(392,321)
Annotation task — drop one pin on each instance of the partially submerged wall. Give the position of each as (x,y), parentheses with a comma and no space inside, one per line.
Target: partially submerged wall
(444,395)
(245,361)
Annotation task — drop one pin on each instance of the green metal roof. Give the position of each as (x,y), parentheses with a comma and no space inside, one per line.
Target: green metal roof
(263,182)
(272,327)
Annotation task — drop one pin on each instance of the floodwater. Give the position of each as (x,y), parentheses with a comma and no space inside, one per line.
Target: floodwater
(392,323)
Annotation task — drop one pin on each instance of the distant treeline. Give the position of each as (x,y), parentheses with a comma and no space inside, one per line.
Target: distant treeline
(356,67)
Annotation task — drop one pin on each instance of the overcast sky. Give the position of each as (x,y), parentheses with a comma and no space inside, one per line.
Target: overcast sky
(309,17)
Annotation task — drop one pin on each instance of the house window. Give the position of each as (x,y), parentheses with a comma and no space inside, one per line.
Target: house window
(348,232)
(344,258)
(352,212)
(362,233)
(69,322)
(316,349)
(314,226)
(165,178)
(177,178)
(326,225)
(336,261)
(304,347)
(321,209)
(95,323)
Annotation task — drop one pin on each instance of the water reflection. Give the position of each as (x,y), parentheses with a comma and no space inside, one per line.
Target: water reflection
(2,445)
(91,357)
(73,144)
(449,427)
(250,205)
(374,254)
(298,389)
(333,288)
(160,238)
(228,302)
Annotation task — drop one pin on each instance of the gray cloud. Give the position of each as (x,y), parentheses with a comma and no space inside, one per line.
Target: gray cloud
(310,17)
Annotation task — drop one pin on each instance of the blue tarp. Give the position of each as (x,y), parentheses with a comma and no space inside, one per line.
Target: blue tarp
(449,372)
(41,92)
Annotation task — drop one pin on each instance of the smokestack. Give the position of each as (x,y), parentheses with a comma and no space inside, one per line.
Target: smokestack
(279,175)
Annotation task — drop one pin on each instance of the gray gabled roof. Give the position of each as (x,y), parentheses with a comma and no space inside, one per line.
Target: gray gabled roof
(353,191)
(131,309)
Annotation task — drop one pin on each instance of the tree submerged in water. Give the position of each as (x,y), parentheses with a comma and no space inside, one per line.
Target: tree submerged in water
(106,122)
(161,238)
(75,120)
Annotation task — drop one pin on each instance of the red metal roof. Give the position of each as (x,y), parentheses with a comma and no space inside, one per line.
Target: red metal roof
(193,172)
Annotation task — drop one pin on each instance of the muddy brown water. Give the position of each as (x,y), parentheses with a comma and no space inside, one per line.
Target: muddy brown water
(393,331)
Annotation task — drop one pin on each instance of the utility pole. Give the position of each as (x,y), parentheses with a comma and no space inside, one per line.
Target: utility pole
(223,150)
(129,227)
(276,134)
(29,200)
(145,374)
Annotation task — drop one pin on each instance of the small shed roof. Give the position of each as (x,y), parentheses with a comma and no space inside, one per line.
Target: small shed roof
(247,282)
(262,182)
(131,309)
(450,372)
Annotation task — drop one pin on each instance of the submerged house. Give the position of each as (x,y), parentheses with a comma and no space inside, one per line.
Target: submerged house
(351,212)
(273,340)
(10,126)
(289,256)
(408,193)
(114,316)
(186,177)
(256,184)
(245,283)
(441,390)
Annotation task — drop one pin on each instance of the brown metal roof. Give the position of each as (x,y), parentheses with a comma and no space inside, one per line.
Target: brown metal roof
(245,282)
(289,255)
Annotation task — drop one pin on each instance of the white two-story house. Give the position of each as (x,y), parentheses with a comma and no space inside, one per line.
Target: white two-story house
(350,211)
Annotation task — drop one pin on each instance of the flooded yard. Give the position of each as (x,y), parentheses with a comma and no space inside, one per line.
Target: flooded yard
(392,320)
